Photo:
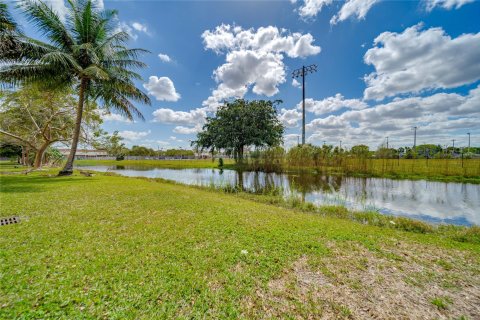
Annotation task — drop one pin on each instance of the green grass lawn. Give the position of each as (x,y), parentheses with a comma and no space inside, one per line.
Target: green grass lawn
(126,248)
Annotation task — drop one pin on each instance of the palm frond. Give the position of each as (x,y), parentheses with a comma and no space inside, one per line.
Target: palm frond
(48,22)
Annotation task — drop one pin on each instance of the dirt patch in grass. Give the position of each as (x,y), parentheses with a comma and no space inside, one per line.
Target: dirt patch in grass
(401,281)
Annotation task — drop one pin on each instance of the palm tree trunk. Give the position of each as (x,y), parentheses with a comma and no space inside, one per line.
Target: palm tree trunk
(68,169)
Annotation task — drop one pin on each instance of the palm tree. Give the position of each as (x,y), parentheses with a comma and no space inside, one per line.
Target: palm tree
(86,52)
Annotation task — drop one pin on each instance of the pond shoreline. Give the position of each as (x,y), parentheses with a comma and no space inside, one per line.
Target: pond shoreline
(229,164)
(466,234)
(431,202)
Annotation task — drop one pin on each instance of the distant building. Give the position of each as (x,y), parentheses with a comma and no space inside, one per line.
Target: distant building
(85,153)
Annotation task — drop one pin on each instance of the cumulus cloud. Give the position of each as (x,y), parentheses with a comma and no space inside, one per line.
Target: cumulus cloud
(439,117)
(311,8)
(350,8)
(114,117)
(242,68)
(290,140)
(296,84)
(161,88)
(290,117)
(164,57)
(125,27)
(187,130)
(416,60)
(445,4)
(133,135)
(254,59)
(140,27)
(353,8)
(131,28)
(330,122)
(331,104)
(169,116)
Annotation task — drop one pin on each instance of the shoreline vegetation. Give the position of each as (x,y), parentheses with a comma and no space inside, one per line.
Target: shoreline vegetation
(89,246)
(414,169)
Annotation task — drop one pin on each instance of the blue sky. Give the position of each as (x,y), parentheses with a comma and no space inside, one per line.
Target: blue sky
(383,67)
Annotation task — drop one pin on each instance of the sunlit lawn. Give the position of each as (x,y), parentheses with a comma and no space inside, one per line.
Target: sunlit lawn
(125,248)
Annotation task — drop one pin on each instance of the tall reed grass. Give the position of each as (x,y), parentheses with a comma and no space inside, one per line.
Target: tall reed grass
(329,160)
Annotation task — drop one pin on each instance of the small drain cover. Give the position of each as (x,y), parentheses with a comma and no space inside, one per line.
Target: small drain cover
(11,220)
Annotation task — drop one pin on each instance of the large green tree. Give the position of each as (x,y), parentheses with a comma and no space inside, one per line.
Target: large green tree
(242,123)
(36,118)
(86,52)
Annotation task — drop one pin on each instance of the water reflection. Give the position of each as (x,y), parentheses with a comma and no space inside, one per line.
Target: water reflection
(456,203)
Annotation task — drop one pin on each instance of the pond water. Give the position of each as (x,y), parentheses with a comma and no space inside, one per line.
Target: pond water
(435,202)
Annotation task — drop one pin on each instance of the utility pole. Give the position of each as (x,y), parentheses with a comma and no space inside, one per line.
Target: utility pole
(302,72)
(468,141)
(414,137)
(340,145)
(298,140)
(453,143)
(387,142)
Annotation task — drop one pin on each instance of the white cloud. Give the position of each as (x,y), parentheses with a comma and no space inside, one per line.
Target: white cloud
(187,130)
(439,117)
(133,135)
(331,104)
(125,27)
(161,88)
(265,71)
(330,122)
(132,29)
(290,117)
(176,139)
(169,116)
(254,58)
(164,57)
(108,116)
(140,27)
(353,8)
(296,84)
(446,4)
(311,8)
(417,60)
(290,140)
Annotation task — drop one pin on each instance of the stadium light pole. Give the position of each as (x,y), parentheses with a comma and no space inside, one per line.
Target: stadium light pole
(302,72)
(414,137)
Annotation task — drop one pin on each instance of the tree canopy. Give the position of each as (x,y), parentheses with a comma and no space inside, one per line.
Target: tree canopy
(241,123)
(36,119)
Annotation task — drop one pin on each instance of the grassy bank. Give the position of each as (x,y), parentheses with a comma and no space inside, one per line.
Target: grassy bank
(175,164)
(124,248)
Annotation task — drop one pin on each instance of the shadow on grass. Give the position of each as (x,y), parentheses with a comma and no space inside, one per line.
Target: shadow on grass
(24,183)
